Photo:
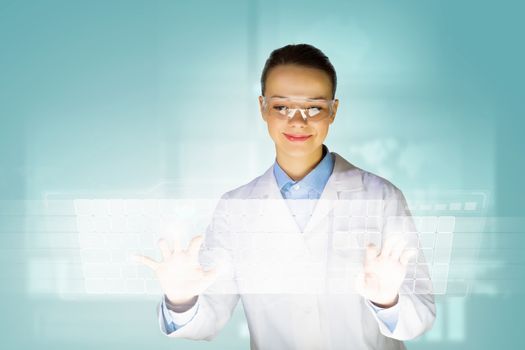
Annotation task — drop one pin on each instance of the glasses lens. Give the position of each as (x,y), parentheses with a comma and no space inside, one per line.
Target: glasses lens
(313,109)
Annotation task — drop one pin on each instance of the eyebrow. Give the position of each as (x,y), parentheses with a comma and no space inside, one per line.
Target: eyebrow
(311,98)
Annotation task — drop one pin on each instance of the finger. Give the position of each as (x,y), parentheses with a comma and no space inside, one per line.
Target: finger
(407,255)
(398,248)
(164,248)
(371,252)
(177,247)
(389,243)
(194,245)
(149,262)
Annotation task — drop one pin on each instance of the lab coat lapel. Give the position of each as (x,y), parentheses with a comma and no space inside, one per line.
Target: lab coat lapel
(344,178)
(267,188)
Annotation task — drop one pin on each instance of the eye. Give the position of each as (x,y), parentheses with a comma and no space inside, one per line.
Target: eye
(280,108)
(312,111)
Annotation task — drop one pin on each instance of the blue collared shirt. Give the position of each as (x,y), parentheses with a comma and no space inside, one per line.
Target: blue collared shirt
(309,187)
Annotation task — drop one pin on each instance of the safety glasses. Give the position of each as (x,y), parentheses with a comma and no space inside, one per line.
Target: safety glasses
(286,107)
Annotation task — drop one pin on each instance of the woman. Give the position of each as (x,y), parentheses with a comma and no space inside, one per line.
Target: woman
(317,217)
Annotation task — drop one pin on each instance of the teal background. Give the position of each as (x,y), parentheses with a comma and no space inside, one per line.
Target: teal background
(105,97)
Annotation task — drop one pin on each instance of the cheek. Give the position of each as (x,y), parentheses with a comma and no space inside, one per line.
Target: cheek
(274,128)
(321,130)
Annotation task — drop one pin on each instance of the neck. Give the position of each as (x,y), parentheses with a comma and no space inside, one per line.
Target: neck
(299,167)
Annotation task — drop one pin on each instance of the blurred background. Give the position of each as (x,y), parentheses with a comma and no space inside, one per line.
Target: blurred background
(124,99)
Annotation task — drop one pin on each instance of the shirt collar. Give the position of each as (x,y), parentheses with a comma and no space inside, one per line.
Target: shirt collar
(316,179)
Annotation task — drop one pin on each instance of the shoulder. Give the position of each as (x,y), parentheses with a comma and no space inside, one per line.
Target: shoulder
(243,191)
(372,184)
(375,183)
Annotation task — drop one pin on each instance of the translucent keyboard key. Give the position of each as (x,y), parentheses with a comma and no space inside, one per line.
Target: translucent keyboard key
(428,224)
(439,286)
(117,286)
(423,271)
(114,240)
(372,238)
(151,207)
(102,224)
(442,256)
(425,255)
(118,224)
(95,256)
(408,286)
(95,286)
(440,206)
(345,241)
(236,206)
(358,207)
(122,240)
(470,206)
(166,207)
(83,207)
(446,223)
(423,287)
(99,270)
(153,287)
(87,240)
(145,272)
(411,271)
(395,224)
(455,206)
(185,208)
(357,224)
(444,241)
(99,207)
(119,256)
(440,271)
(130,241)
(135,286)
(426,240)
(147,241)
(134,207)
(117,207)
(129,271)
(137,223)
(85,224)
(373,224)
(374,207)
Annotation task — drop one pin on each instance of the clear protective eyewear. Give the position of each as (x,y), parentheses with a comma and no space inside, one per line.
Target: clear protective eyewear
(285,107)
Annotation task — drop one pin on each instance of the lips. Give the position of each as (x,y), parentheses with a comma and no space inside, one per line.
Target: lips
(296,137)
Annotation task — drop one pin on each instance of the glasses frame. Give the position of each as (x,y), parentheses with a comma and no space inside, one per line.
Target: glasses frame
(302,110)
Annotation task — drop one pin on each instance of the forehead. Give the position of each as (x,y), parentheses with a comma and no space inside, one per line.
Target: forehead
(293,80)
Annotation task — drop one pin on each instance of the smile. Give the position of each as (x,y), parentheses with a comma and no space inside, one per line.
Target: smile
(297,138)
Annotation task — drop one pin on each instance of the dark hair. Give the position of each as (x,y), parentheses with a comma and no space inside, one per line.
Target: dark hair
(302,55)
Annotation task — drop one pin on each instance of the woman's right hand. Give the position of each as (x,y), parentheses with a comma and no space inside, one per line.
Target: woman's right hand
(180,275)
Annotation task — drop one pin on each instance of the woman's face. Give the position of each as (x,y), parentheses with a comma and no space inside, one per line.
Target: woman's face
(297,81)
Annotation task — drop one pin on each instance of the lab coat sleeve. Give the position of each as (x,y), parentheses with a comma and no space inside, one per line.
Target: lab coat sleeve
(215,306)
(175,320)
(388,316)
(416,308)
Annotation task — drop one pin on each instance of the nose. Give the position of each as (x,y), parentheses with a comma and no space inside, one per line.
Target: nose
(293,112)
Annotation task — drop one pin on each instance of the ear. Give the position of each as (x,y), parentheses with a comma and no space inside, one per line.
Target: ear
(334,112)
(261,108)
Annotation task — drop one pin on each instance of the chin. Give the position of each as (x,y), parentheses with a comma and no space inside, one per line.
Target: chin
(297,150)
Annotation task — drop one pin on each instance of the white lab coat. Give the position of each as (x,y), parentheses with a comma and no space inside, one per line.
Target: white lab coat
(314,315)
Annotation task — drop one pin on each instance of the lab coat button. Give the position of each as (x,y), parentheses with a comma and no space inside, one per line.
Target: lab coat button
(296,187)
